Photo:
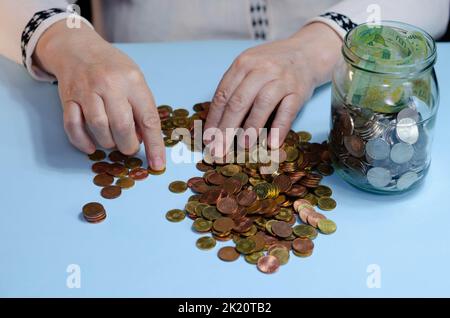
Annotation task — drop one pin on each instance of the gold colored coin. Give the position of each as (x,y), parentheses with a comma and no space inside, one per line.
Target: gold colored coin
(304,136)
(230,170)
(178,187)
(246,246)
(156,172)
(281,253)
(327,226)
(181,112)
(326,204)
(132,163)
(305,231)
(125,182)
(201,225)
(254,257)
(175,215)
(323,191)
(206,243)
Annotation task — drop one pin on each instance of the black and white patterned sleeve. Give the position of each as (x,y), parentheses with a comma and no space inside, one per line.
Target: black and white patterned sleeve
(337,21)
(37,25)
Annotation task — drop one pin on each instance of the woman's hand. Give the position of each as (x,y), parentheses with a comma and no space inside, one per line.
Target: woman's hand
(101,90)
(282,73)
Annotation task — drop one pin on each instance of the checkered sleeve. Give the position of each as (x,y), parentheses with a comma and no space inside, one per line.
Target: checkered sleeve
(37,25)
(346,14)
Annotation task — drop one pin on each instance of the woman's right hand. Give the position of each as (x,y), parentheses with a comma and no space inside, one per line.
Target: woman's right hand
(101,90)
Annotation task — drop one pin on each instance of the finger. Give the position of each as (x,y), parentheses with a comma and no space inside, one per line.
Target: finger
(121,121)
(148,123)
(75,128)
(243,98)
(265,103)
(286,114)
(97,120)
(230,81)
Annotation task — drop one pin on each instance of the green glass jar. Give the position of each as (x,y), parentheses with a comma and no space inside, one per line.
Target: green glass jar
(384,103)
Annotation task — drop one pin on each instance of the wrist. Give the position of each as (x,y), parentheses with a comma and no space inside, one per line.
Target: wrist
(59,43)
(320,48)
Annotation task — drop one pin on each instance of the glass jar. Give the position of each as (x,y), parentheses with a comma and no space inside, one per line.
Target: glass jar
(385,98)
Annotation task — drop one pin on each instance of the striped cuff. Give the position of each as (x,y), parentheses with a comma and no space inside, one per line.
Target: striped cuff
(38,24)
(338,22)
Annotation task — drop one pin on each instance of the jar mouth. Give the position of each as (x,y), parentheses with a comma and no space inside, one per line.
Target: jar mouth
(364,57)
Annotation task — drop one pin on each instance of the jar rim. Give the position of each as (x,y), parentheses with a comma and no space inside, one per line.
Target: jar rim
(402,70)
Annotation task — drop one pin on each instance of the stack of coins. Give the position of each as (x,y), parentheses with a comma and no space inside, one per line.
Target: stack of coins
(94,212)
(258,212)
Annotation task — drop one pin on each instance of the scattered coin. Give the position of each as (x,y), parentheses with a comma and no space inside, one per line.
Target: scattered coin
(111,192)
(98,155)
(103,180)
(132,163)
(327,226)
(125,182)
(178,186)
(326,204)
(281,253)
(268,264)
(138,174)
(206,243)
(228,254)
(94,212)
(175,215)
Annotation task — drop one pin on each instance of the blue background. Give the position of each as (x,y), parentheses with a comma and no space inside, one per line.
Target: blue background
(136,252)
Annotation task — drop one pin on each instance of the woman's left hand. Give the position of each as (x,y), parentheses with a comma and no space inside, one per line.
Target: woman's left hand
(280,74)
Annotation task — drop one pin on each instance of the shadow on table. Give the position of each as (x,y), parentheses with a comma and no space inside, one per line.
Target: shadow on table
(40,104)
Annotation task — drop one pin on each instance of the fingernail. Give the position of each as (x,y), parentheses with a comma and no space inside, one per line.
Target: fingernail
(157,164)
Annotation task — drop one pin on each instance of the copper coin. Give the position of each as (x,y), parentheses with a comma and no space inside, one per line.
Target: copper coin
(201,166)
(246,197)
(354,145)
(223,225)
(227,205)
(93,210)
(193,180)
(281,229)
(117,156)
(314,218)
(232,186)
(125,183)
(283,182)
(254,208)
(97,155)
(243,225)
(133,163)
(103,180)
(117,170)
(215,178)
(259,240)
(100,167)
(200,187)
(111,192)
(156,172)
(268,264)
(297,191)
(228,254)
(305,212)
(303,245)
(212,196)
(138,174)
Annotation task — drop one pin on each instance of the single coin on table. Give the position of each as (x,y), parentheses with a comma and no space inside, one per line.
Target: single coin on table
(175,215)
(206,243)
(103,180)
(327,226)
(178,186)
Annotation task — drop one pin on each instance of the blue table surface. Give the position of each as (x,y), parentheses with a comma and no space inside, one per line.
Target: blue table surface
(137,253)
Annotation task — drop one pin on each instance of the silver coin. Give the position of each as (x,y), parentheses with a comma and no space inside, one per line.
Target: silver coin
(407,180)
(407,130)
(408,112)
(377,149)
(402,152)
(379,177)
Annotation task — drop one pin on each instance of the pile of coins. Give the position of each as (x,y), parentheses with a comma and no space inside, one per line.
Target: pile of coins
(387,152)
(119,173)
(265,215)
